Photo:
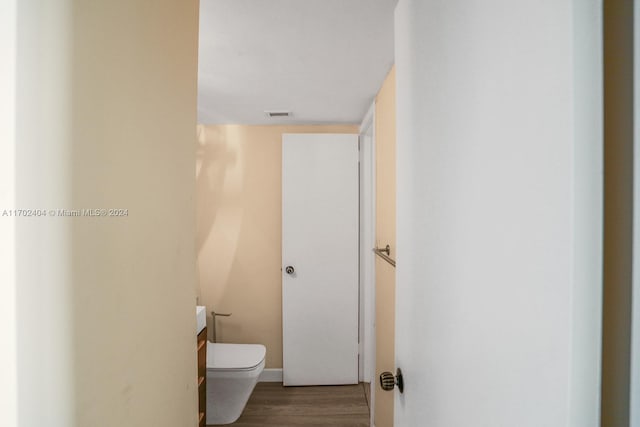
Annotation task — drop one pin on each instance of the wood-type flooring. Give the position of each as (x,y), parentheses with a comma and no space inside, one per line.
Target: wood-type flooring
(271,404)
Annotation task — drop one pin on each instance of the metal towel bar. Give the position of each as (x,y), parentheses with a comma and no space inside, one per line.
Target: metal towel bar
(213,323)
(384,254)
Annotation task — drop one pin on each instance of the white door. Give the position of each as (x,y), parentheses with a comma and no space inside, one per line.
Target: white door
(499,213)
(320,259)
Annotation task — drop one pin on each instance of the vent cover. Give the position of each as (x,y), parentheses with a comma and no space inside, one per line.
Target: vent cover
(275,114)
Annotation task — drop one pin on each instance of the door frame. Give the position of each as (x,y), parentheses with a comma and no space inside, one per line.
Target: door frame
(367,333)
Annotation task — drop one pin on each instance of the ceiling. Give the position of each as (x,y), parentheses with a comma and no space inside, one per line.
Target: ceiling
(322,60)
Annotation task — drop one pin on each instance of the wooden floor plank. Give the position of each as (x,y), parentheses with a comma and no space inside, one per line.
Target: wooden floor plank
(271,404)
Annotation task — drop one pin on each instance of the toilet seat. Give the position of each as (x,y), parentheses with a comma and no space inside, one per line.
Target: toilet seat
(234,357)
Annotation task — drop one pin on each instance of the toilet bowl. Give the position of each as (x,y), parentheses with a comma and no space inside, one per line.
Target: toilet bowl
(232,373)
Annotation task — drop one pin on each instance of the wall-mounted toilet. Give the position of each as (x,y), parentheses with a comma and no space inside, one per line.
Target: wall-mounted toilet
(232,373)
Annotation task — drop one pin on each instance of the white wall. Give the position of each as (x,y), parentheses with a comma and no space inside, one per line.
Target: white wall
(44,244)
(499,212)
(106,107)
(586,161)
(8,360)
(367,242)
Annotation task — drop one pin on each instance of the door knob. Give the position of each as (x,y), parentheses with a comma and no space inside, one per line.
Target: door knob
(289,269)
(388,381)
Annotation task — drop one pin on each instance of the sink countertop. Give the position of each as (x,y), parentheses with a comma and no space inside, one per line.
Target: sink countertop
(201,318)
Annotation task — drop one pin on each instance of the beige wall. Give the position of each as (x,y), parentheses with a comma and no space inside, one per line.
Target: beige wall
(385,235)
(239,211)
(106,111)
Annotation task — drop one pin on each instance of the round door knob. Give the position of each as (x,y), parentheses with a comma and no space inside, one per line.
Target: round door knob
(289,269)
(388,381)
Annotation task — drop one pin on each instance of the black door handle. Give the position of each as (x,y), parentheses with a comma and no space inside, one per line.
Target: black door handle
(388,381)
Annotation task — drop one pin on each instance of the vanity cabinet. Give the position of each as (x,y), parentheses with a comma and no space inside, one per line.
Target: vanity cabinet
(202,377)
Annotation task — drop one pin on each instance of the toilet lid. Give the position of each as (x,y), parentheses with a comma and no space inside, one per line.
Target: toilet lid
(234,356)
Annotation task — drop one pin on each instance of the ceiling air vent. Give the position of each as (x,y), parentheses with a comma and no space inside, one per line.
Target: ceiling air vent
(277,114)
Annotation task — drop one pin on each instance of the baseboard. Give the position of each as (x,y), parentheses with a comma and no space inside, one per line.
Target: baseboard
(271,376)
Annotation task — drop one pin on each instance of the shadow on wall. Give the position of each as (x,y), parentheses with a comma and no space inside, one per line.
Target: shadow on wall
(213,159)
(220,213)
